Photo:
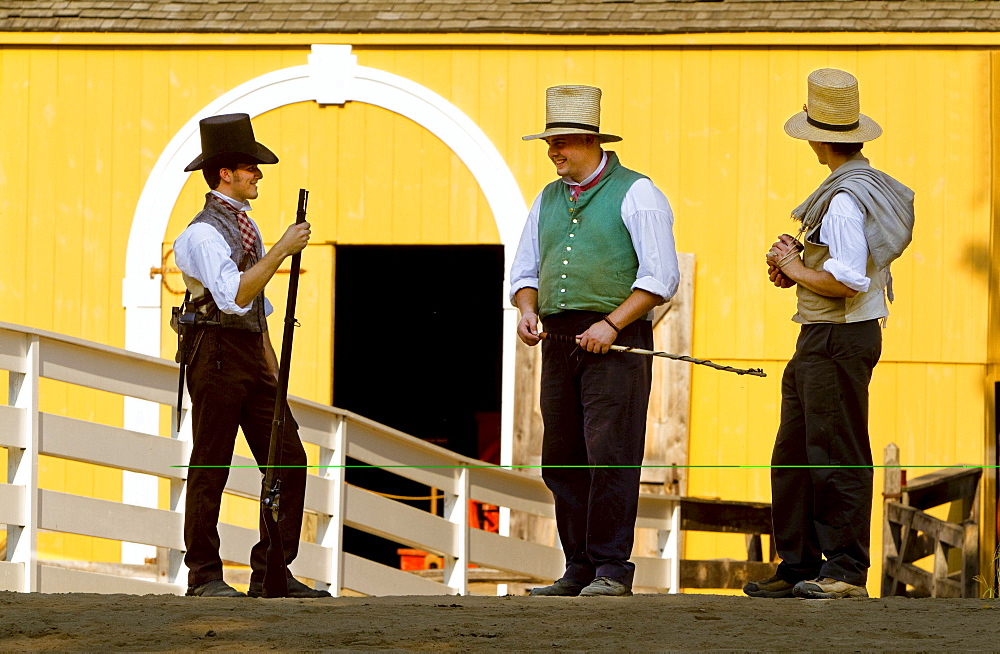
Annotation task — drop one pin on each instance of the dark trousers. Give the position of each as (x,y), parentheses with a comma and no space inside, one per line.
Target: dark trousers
(594,414)
(825,512)
(231,387)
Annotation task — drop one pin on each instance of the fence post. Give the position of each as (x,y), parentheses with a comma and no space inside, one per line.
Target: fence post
(170,562)
(330,528)
(891,492)
(456,511)
(22,467)
(139,489)
(669,544)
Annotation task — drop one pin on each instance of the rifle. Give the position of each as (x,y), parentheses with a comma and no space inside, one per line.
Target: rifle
(275,572)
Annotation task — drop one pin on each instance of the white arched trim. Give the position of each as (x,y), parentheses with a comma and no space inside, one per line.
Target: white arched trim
(331,76)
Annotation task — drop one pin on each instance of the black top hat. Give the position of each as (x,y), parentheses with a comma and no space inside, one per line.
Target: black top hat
(230,134)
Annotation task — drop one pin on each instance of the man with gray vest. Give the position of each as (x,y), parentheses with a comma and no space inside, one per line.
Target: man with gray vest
(231,365)
(596,256)
(853,226)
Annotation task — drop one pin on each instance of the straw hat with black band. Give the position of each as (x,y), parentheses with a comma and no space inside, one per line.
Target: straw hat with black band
(573,109)
(230,135)
(833,111)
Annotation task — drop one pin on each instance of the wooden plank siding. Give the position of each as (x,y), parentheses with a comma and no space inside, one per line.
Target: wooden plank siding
(84,124)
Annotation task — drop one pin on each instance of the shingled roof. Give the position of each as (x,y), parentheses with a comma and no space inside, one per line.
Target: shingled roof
(485,16)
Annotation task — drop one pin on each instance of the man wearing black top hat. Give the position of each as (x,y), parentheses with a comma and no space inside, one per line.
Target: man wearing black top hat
(231,365)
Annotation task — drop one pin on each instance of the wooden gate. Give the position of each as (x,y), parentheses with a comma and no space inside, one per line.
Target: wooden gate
(910,534)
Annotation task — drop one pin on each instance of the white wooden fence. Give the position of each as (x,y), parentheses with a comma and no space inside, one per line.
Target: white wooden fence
(30,355)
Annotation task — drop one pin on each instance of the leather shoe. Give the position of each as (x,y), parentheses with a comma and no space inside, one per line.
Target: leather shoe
(561,588)
(606,587)
(772,587)
(295,589)
(827,588)
(214,588)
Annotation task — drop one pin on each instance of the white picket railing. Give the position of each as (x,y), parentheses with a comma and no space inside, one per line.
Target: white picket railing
(30,355)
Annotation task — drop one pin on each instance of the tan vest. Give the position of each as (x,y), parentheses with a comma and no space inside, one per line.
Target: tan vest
(813,307)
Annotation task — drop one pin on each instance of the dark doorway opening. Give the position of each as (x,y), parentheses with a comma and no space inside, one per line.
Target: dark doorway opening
(417,347)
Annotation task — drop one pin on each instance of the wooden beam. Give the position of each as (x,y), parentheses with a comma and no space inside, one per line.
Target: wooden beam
(80,440)
(87,516)
(725,516)
(891,533)
(12,427)
(920,545)
(970,560)
(12,505)
(11,576)
(63,580)
(372,578)
(722,574)
(941,486)
(950,533)
(755,552)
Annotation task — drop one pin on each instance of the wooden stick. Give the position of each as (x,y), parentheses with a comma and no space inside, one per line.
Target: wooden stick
(563,338)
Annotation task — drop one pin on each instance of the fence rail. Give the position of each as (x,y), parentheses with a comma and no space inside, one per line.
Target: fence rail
(30,355)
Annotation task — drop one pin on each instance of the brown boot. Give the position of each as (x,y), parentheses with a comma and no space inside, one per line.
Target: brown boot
(826,588)
(771,587)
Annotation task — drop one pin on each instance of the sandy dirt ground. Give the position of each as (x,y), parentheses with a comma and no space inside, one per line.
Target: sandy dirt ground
(641,623)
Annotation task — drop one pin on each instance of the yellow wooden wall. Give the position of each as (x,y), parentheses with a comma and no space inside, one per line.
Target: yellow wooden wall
(84,124)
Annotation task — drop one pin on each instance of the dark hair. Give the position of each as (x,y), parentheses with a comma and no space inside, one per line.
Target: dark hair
(211,168)
(846,148)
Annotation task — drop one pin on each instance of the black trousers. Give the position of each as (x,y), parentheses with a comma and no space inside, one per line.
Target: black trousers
(594,414)
(822,511)
(231,387)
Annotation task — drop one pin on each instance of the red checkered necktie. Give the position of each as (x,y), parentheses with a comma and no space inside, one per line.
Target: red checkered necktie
(247,232)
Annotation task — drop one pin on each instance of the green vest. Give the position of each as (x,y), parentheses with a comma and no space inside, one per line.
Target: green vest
(587,262)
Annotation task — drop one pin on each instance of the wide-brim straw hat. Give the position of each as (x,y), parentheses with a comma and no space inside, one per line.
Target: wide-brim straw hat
(230,135)
(573,109)
(833,111)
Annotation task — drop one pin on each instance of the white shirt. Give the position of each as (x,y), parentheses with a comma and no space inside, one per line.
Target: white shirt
(202,252)
(649,221)
(843,231)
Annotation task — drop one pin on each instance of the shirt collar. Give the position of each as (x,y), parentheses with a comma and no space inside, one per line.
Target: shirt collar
(593,175)
(236,204)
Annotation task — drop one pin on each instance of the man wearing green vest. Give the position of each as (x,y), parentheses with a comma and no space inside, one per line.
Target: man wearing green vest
(853,226)
(596,256)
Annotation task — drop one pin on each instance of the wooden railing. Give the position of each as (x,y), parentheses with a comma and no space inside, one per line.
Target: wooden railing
(30,355)
(752,519)
(911,534)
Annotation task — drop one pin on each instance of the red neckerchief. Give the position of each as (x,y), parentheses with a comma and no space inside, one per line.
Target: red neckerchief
(247,232)
(576,189)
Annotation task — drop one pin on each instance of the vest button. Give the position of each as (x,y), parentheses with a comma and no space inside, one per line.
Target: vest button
(565,262)
(562,304)
(564,276)
(568,248)
(575,221)
(572,235)
(571,209)
(562,290)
